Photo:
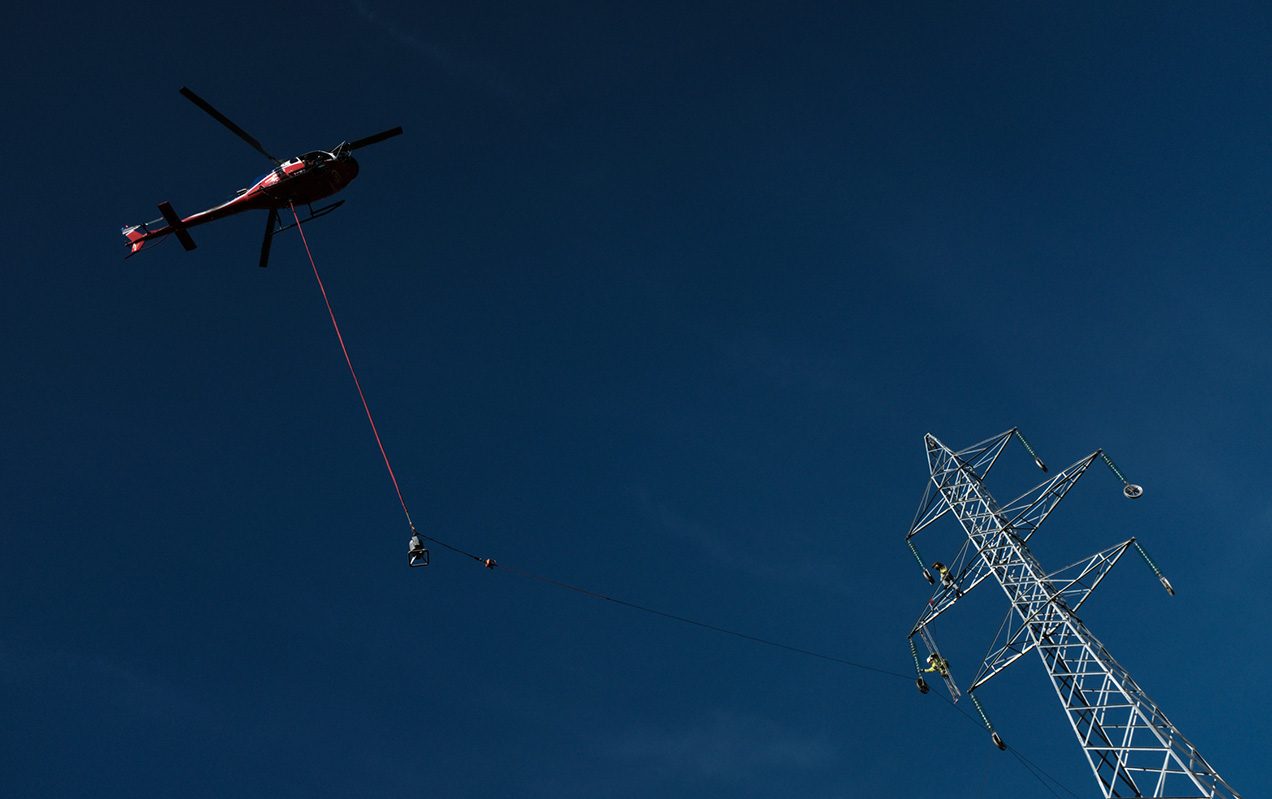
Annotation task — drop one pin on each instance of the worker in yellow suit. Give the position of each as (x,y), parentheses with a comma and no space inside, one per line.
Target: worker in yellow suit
(947,578)
(938,664)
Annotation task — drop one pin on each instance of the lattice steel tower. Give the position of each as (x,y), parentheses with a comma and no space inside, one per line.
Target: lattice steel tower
(1133,749)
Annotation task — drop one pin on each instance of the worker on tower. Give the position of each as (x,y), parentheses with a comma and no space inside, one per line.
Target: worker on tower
(947,578)
(938,664)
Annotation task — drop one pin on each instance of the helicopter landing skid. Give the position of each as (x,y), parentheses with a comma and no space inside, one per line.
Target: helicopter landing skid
(313,214)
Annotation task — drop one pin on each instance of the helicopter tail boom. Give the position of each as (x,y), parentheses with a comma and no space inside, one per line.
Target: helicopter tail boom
(137,235)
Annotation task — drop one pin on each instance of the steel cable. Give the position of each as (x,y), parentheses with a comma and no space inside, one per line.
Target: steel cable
(349,362)
(490,563)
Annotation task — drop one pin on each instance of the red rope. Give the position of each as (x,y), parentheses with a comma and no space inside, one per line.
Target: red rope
(356,382)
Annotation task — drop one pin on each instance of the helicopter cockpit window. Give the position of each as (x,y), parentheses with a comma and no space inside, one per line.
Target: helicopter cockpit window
(315,157)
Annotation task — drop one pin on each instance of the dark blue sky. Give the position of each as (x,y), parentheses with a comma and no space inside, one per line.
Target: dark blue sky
(655,300)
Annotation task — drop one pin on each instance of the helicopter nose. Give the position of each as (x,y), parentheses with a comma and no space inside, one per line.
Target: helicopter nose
(342,171)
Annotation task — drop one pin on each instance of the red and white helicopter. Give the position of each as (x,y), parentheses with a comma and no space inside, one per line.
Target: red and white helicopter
(302,179)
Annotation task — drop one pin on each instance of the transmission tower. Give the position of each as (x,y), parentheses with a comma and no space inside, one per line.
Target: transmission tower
(1132,748)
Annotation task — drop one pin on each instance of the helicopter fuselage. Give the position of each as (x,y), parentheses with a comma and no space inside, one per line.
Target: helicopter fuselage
(301,180)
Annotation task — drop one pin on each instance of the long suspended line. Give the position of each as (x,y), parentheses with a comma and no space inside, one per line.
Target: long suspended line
(712,627)
(490,563)
(356,382)
(578,589)
(1033,769)
(989,767)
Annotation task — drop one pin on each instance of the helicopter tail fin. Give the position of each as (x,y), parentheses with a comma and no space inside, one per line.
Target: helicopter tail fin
(136,236)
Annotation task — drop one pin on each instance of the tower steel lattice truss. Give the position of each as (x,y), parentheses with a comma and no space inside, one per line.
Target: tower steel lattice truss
(1132,748)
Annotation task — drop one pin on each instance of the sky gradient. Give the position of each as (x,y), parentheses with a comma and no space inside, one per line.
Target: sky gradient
(655,300)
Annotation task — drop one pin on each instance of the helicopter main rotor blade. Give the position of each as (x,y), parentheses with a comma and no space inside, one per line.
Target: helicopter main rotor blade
(374,139)
(270,223)
(224,120)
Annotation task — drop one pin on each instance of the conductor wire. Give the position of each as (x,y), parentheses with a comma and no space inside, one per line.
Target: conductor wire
(491,564)
(1032,768)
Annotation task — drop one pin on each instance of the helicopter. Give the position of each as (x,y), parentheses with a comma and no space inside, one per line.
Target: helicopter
(303,179)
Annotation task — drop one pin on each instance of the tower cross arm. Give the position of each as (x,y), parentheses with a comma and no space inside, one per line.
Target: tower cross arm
(1026,513)
(995,528)
(1075,583)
